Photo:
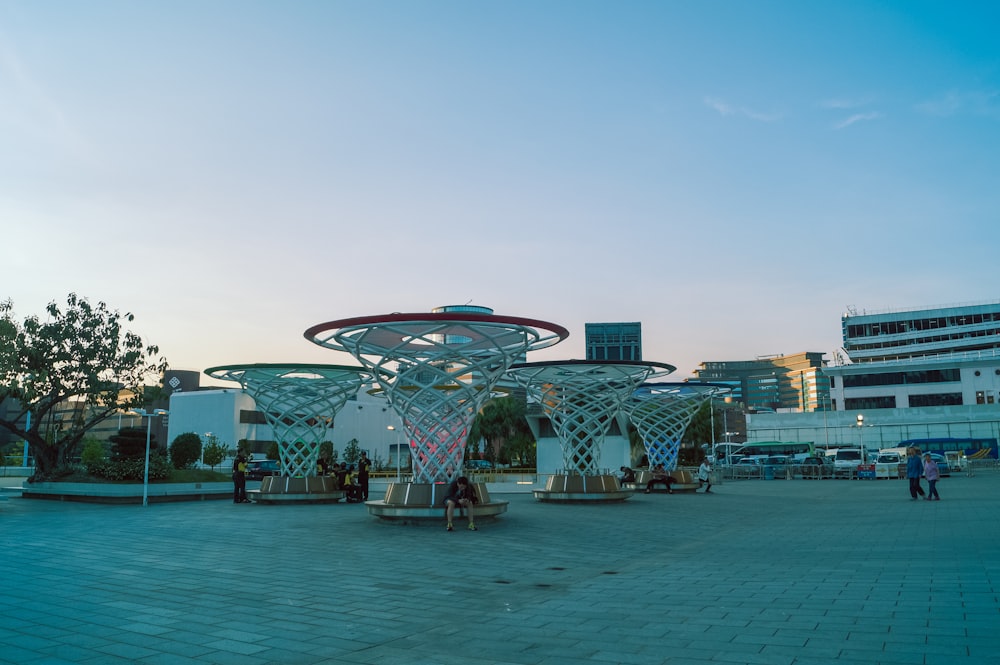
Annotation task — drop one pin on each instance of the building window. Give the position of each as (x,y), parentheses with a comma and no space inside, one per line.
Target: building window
(252,417)
(885,402)
(941,399)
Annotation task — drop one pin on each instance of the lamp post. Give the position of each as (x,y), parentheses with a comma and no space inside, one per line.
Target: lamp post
(392,428)
(149,429)
(861,437)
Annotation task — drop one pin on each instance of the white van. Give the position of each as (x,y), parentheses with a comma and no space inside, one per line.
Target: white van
(846,462)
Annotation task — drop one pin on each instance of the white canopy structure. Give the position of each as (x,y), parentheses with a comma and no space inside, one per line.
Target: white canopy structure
(437,370)
(581,397)
(299,403)
(661,413)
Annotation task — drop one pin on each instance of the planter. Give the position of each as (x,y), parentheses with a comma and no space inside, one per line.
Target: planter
(126,492)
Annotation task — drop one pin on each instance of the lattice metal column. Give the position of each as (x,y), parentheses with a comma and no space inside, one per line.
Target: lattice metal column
(661,413)
(437,370)
(581,398)
(299,403)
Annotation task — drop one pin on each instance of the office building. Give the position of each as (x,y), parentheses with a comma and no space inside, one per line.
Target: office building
(613,341)
(772,383)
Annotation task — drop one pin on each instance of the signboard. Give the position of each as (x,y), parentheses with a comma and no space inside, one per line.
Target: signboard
(866,471)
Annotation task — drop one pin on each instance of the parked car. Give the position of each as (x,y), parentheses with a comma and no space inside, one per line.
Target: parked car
(776,466)
(816,468)
(478,464)
(258,468)
(846,462)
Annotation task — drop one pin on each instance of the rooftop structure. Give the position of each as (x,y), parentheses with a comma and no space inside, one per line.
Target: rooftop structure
(613,341)
(898,335)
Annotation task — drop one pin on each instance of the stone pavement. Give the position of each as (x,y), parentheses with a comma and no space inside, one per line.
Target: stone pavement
(776,572)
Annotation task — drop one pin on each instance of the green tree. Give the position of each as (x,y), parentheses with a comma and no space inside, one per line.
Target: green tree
(500,422)
(699,431)
(130,443)
(522,449)
(185,450)
(94,452)
(352,451)
(80,357)
(214,451)
(636,446)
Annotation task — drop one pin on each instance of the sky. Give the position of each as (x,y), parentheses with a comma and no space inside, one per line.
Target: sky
(733,174)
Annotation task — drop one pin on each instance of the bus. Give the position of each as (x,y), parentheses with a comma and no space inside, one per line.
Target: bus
(798,450)
(723,453)
(973,449)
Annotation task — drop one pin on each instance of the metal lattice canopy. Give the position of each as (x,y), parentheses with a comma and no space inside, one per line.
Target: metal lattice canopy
(661,413)
(581,397)
(437,370)
(299,403)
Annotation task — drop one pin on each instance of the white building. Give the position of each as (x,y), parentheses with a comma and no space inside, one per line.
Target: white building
(230,414)
(915,374)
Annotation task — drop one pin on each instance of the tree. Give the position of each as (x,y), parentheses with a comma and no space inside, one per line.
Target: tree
(500,422)
(698,431)
(215,451)
(130,443)
(185,450)
(352,451)
(327,450)
(79,363)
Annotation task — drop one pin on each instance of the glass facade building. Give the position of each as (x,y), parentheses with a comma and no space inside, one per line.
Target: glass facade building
(613,341)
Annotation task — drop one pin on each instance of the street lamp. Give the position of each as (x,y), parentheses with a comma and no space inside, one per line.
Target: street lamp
(149,429)
(392,428)
(861,437)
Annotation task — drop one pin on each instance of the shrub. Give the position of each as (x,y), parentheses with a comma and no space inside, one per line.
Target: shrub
(132,468)
(185,450)
(93,453)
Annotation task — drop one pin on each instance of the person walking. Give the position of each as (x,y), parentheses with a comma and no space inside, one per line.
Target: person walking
(914,470)
(705,475)
(932,474)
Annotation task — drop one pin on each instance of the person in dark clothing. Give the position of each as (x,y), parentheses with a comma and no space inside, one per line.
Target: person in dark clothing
(240,479)
(352,493)
(660,476)
(628,475)
(363,465)
(914,471)
(461,493)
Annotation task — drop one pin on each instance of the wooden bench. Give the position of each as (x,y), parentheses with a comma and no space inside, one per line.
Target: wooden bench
(684,481)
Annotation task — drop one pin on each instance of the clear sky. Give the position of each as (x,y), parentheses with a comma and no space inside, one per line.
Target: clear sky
(731,174)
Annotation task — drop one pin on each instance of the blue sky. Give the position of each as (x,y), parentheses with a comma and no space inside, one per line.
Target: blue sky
(731,174)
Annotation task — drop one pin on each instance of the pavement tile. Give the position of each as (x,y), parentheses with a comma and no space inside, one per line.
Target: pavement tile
(845,579)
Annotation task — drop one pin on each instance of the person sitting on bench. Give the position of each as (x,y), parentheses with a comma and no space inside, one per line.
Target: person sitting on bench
(661,476)
(628,475)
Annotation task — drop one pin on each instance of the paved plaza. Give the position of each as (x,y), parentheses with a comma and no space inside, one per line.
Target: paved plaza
(777,572)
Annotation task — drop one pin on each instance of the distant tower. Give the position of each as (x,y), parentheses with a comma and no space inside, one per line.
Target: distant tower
(614,341)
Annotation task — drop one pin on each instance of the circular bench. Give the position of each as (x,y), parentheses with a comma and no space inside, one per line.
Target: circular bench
(574,488)
(423,504)
(684,481)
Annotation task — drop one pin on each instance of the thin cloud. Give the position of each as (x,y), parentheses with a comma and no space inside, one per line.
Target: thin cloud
(857,117)
(725,109)
(955,102)
(843,103)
